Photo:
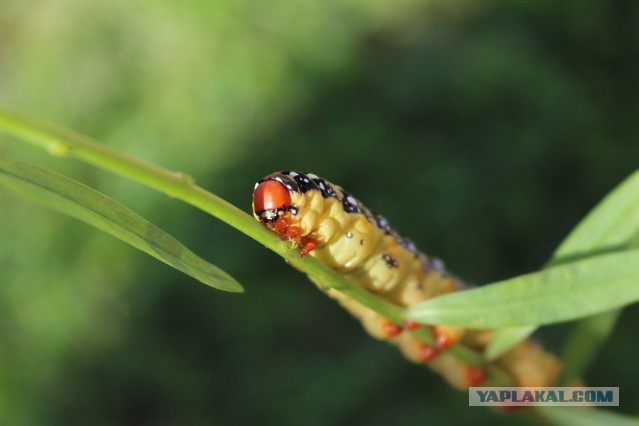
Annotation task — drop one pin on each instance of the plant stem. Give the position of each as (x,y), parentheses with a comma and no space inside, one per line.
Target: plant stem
(65,143)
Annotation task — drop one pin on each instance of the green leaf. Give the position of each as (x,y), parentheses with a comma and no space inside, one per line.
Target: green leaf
(505,338)
(74,199)
(582,416)
(562,293)
(612,225)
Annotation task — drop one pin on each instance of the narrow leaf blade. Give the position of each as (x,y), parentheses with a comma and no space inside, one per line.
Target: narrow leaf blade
(76,200)
(612,225)
(562,293)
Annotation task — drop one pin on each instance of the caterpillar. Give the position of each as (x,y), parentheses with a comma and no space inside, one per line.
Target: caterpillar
(331,225)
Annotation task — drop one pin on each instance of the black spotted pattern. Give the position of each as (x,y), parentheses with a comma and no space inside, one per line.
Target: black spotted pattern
(382,224)
(285,180)
(433,264)
(304,182)
(325,187)
(390,261)
(350,204)
(407,244)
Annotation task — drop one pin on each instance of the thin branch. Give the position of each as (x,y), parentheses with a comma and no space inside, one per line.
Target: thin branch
(65,143)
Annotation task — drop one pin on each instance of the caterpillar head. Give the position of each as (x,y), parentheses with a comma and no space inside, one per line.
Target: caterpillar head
(272,206)
(271,199)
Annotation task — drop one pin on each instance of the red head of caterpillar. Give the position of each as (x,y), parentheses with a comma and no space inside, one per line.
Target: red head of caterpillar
(270,200)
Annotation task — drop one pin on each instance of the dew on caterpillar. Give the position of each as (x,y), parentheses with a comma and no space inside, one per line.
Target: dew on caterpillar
(333,226)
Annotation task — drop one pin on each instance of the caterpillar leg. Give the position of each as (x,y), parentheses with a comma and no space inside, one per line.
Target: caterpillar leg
(308,244)
(379,326)
(475,375)
(375,324)
(447,335)
(280,226)
(451,368)
(383,329)
(390,329)
(425,352)
(288,232)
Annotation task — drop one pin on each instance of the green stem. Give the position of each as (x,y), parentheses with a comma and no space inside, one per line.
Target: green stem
(65,143)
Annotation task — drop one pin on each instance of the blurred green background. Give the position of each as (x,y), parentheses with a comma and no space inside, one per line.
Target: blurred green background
(483,130)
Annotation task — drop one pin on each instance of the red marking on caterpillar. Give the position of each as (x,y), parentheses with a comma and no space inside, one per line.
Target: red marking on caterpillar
(426,352)
(475,376)
(308,244)
(331,225)
(390,329)
(411,325)
(443,341)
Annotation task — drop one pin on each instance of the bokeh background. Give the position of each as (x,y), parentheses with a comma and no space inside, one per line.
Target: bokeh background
(484,130)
